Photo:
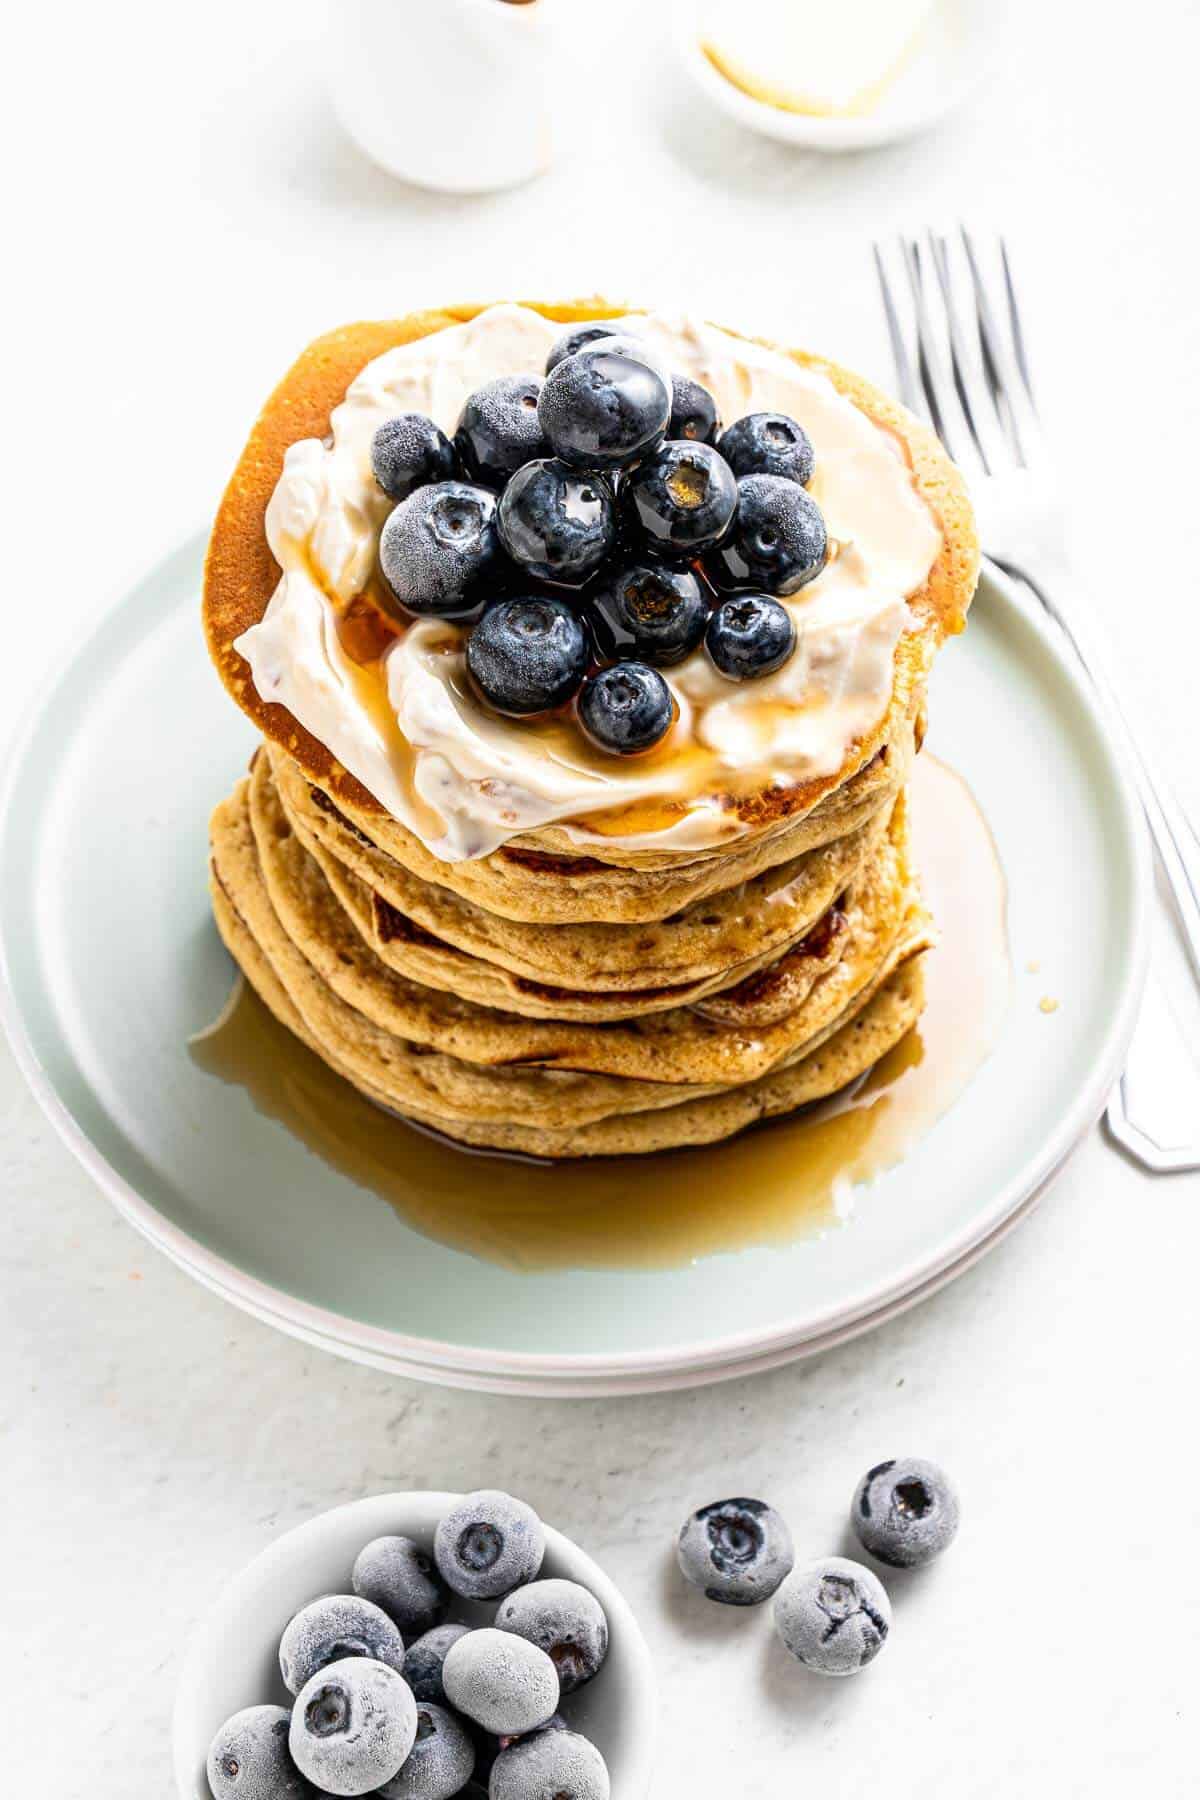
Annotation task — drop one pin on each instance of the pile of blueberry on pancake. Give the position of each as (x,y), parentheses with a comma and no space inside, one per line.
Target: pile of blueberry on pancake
(597,526)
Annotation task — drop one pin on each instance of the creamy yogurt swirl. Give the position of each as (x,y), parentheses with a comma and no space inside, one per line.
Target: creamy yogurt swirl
(465,780)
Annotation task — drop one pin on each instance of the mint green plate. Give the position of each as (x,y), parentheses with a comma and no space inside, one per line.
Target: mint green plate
(110,964)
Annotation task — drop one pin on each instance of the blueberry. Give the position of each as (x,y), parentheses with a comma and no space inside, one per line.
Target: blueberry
(767,443)
(499,430)
(558,1763)
(905,1512)
(626,708)
(682,498)
(439,548)
(777,540)
(575,339)
(401,1579)
(352,1726)
(557,523)
(735,1551)
(750,635)
(490,1543)
(503,1682)
(409,452)
(565,1621)
(555,1722)
(526,655)
(249,1758)
(423,1661)
(440,1763)
(331,1629)
(602,408)
(657,612)
(693,412)
(833,1616)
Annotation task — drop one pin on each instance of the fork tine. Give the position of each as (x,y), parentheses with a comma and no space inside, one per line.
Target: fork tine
(1009,387)
(974,390)
(906,376)
(944,407)
(1014,319)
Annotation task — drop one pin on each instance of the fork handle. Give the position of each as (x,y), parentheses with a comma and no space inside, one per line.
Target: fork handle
(1174,839)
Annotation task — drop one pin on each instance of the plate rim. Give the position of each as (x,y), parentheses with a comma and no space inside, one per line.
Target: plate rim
(426,1357)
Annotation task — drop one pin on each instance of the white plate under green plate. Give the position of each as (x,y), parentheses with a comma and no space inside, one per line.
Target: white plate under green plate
(111,964)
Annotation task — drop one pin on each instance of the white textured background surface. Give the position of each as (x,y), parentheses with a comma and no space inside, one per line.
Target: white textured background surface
(184,215)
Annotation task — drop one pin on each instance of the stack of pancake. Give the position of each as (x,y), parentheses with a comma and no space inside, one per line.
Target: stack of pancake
(544,1000)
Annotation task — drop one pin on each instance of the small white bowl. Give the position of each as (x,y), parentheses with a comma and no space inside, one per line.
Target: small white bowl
(960,46)
(232,1659)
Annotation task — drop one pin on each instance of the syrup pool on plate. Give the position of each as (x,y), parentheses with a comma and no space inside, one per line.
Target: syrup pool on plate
(771,1185)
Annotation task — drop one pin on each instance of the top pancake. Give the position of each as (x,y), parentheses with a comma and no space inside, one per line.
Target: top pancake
(241,574)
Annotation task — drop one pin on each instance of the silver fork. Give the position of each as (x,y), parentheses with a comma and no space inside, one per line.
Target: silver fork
(964,367)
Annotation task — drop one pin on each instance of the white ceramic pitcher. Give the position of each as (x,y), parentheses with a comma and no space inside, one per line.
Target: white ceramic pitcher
(451,94)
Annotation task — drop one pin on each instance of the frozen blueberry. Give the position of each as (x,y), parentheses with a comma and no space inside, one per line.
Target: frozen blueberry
(557,523)
(905,1512)
(249,1758)
(409,452)
(526,655)
(490,1543)
(750,635)
(558,1763)
(682,498)
(499,429)
(768,443)
(735,1551)
(575,339)
(833,1616)
(401,1579)
(565,1621)
(602,408)
(503,1682)
(693,412)
(423,1661)
(650,609)
(626,708)
(440,1763)
(777,540)
(331,1629)
(439,549)
(352,1726)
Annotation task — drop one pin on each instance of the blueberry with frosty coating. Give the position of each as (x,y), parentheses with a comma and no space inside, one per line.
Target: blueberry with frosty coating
(833,1616)
(766,443)
(559,1763)
(693,412)
(249,1758)
(352,1726)
(490,1542)
(576,339)
(398,1576)
(777,541)
(750,635)
(329,1630)
(499,430)
(563,1619)
(557,523)
(905,1512)
(526,655)
(409,452)
(657,612)
(603,408)
(626,708)
(440,547)
(682,498)
(423,1661)
(440,1763)
(735,1551)
(503,1682)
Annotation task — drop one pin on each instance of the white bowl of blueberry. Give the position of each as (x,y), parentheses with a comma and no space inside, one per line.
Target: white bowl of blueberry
(418,1647)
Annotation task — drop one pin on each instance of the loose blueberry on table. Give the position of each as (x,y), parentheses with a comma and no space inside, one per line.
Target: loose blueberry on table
(905,1512)
(833,1616)
(735,1551)
(583,550)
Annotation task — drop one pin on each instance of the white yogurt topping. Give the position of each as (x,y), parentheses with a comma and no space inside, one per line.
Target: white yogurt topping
(464,780)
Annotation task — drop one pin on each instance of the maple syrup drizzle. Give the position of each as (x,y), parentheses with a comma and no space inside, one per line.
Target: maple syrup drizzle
(771,1185)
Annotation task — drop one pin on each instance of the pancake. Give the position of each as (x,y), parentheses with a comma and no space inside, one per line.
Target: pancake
(879,923)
